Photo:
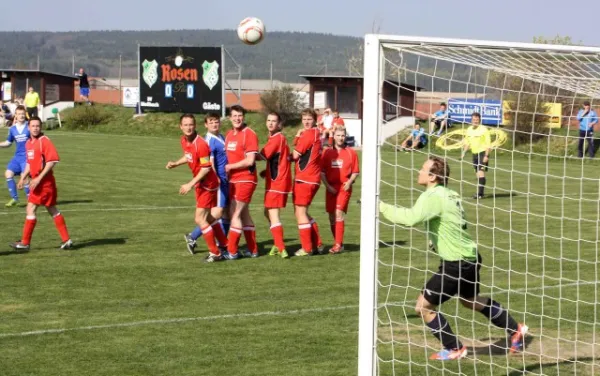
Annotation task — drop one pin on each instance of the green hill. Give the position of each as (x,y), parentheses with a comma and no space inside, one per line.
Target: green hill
(292,53)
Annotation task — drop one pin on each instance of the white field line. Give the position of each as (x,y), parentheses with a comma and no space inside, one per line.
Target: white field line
(176,321)
(234,315)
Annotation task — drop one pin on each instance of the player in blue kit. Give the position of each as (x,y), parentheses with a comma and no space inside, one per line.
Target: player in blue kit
(19,134)
(218,158)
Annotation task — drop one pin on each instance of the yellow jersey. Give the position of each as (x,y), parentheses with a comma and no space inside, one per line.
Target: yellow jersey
(478,138)
(31,100)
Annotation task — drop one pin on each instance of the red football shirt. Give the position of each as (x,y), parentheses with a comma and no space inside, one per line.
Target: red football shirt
(39,152)
(279,174)
(238,144)
(339,165)
(197,154)
(338,121)
(308,166)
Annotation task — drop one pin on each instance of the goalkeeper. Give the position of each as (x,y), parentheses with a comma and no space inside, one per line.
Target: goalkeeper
(440,209)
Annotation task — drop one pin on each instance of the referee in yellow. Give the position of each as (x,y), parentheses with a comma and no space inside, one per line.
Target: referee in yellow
(32,100)
(478,139)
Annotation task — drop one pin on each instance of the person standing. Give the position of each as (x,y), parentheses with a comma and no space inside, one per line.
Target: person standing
(84,86)
(32,101)
(587,119)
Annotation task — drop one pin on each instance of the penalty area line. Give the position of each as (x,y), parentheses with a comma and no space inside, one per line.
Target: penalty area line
(175,321)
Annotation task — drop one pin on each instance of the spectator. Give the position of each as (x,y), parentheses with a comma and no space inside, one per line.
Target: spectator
(84,86)
(439,119)
(327,127)
(587,119)
(32,101)
(337,120)
(5,115)
(415,140)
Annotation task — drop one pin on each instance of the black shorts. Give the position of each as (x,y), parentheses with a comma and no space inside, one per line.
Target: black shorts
(452,278)
(32,111)
(420,145)
(478,164)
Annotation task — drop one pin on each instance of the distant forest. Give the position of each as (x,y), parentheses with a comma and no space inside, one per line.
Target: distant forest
(292,53)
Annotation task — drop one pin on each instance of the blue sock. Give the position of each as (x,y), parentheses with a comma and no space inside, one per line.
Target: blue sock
(196,233)
(12,188)
(225,223)
(26,189)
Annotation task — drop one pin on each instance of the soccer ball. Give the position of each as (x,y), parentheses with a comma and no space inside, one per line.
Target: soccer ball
(251,30)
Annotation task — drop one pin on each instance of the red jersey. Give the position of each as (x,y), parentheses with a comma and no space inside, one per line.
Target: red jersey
(279,174)
(308,166)
(238,144)
(339,165)
(39,152)
(197,154)
(338,121)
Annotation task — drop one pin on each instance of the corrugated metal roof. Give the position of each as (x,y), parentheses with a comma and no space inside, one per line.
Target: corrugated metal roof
(37,71)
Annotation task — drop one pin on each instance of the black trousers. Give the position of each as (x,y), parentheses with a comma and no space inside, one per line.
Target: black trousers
(589,136)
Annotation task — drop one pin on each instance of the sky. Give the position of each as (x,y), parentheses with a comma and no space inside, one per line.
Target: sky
(502,20)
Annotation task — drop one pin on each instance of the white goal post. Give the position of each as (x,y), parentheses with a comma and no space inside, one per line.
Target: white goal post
(537,227)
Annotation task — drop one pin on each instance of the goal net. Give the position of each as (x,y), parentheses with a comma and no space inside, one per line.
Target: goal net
(536,226)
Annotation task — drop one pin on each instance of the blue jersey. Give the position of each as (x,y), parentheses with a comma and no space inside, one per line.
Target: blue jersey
(440,113)
(419,133)
(19,134)
(587,120)
(218,154)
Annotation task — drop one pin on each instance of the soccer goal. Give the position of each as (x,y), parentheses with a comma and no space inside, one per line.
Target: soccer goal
(536,226)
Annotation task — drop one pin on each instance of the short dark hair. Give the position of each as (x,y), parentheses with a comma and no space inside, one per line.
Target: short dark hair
(586,103)
(309,112)
(188,116)
(211,115)
(476,114)
(440,169)
(237,108)
(34,118)
(443,104)
(274,113)
(20,108)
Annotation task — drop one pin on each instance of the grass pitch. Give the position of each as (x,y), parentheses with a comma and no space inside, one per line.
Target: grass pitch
(130,299)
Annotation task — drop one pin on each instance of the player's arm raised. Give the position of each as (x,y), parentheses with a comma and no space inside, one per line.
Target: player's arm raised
(426,208)
(177,163)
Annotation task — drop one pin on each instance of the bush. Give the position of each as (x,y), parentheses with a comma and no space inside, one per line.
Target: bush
(285,101)
(84,117)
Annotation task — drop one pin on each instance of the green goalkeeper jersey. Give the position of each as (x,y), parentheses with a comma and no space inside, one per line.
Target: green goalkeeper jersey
(440,209)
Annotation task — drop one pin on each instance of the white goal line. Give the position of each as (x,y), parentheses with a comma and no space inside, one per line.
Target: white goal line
(238,315)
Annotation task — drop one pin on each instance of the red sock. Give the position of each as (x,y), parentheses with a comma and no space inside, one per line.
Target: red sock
(61,226)
(219,234)
(209,237)
(277,232)
(315,236)
(30,222)
(250,236)
(339,232)
(234,239)
(306,237)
